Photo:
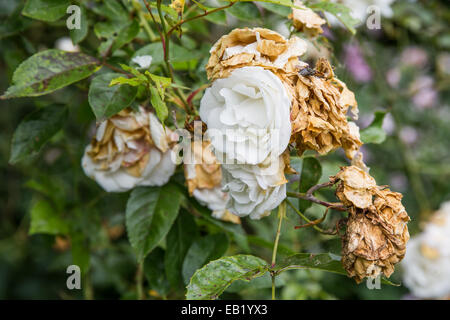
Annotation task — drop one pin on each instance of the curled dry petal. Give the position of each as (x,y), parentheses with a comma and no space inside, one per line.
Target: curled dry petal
(254,47)
(305,20)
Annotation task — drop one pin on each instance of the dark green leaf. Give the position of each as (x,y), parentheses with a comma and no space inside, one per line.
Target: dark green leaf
(281,10)
(218,17)
(154,272)
(211,280)
(149,215)
(45,10)
(374,133)
(202,251)
(246,11)
(310,175)
(35,130)
(179,239)
(106,100)
(126,35)
(48,71)
(45,219)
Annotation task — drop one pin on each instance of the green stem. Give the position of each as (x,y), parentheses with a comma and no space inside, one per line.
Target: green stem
(88,290)
(140,281)
(304,217)
(281,215)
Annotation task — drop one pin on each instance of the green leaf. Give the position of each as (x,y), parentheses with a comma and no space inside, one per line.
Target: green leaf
(134,82)
(114,11)
(149,215)
(202,251)
(340,11)
(45,10)
(78,35)
(374,133)
(246,11)
(48,71)
(126,35)
(154,271)
(211,280)
(310,175)
(160,106)
(45,219)
(35,130)
(218,17)
(178,241)
(106,100)
(281,10)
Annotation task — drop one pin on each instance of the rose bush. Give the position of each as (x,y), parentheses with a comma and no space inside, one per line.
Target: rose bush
(273,120)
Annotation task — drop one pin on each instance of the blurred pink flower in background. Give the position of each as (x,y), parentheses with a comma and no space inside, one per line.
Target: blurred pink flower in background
(393,77)
(388,124)
(414,56)
(409,135)
(424,95)
(356,64)
(398,182)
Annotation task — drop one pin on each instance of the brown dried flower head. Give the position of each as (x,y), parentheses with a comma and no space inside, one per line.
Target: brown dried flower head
(377,230)
(319,111)
(305,20)
(254,47)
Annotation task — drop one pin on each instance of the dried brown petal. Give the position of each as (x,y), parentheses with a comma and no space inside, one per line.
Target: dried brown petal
(305,20)
(254,47)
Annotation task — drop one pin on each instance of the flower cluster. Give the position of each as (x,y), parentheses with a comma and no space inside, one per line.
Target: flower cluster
(130,149)
(377,232)
(427,261)
(262,98)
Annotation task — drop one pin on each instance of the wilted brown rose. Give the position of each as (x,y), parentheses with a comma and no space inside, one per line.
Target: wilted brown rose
(377,232)
(305,20)
(204,176)
(254,47)
(319,111)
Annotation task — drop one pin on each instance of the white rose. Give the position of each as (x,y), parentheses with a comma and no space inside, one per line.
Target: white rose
(130,149)
(248,115)
(427,261)
(254,190)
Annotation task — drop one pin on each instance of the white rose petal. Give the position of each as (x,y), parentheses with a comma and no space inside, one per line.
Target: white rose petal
(215,199)
(143,62)
(66,44)
(247,115)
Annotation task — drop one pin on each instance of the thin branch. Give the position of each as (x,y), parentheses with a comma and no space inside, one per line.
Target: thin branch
(175,27)
(281,215)
(309,221)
